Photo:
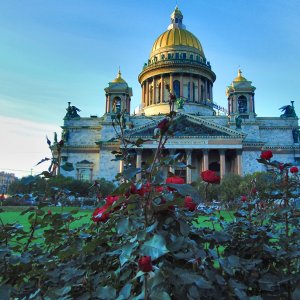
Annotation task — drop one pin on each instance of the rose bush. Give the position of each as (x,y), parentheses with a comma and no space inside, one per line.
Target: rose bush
(198,253)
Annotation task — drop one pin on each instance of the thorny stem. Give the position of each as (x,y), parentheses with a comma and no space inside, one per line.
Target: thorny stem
(146,286)
(31,234)
(286,204)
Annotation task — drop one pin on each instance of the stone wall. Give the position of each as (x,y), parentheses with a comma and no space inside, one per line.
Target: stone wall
(249,162)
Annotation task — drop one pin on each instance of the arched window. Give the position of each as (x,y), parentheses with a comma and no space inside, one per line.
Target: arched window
(176,87)
(202,92)
(117,105)
(191,57)
(242,104)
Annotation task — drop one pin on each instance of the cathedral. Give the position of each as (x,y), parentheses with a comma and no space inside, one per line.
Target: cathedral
(206,135)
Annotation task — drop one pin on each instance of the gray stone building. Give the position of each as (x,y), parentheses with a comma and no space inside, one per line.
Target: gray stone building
(207,136)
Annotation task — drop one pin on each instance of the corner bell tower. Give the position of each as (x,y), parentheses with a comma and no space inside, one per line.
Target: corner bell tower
(240,95)
(118,95)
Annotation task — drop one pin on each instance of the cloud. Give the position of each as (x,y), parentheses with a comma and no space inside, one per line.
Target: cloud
(23,144)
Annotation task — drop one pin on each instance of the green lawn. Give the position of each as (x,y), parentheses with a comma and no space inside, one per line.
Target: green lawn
(12,214)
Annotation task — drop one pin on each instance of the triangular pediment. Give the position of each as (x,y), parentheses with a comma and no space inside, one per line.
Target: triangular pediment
(186,126)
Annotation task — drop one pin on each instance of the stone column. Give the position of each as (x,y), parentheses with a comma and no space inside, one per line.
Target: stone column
(199,90)
(172,152)
(154,91)
(192,89)
(121,166)
(181,85)
(162,90)
(222,163)
(239,162)
(188,162)
(205,159)
(147,93)
(139,163)
(143,94)
(171,83)
(250,109)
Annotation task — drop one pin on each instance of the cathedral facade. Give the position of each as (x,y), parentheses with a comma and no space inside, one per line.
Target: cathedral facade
(206,136)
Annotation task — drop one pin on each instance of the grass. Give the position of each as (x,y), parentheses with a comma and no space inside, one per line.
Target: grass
(12,214)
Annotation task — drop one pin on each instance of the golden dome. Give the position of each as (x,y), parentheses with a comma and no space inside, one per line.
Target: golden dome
(177,37)
(119,79)
(240,78)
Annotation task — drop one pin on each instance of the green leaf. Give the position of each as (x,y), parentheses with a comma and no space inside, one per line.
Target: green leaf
(122,226)
(192,278)
(160,295)
(187,190)
(105,292)
(67,167)
(296,294)
(5,291)
(155,247)
(125,292)
(140,141)
(63,291)
(130,172)
(126,252)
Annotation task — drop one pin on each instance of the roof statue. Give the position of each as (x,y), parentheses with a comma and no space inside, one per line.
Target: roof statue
(289,111)
(72,112)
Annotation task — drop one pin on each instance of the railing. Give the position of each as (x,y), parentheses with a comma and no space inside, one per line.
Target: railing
(170,61)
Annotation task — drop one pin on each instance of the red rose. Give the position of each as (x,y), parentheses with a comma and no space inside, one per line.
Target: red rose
(294,170)
(266,155)
(189,203)
(244,198)
(254,191)
(175,180)
(110,200)
(145,263)
(159,189)
(133,189)
(100,215)
(172,97)
(210,176)
(49,212)
(281,166)
(163,125)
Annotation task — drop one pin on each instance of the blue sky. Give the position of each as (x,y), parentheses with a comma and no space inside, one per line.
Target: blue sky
(52,52)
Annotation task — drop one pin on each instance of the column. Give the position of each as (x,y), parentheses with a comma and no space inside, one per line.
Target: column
(171,83)
(162,90)
(171,169)
(222,163)
(205,159)
(188,162)
(250,104)
(199,90)
(191,89)
(121,166)
(138,163)
(154,91)
(147,93)
(181,85)
(143,95)
(239,162)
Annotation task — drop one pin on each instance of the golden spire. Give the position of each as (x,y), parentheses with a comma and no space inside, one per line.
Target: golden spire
(119,78)
(240,77)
